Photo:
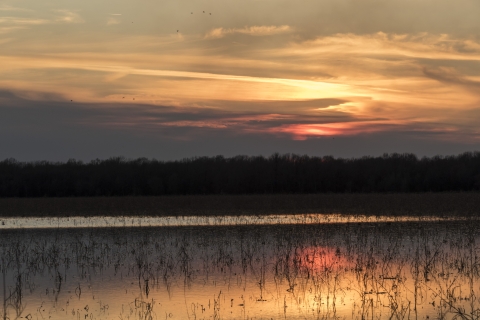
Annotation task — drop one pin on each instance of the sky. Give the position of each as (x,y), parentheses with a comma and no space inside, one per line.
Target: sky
(181,78)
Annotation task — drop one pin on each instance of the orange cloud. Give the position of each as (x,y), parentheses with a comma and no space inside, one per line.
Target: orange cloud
(252,31)
(67,16)
(16,21)
(399,77)
(304,131)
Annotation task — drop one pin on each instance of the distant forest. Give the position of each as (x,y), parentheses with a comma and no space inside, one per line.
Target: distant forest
(276,174)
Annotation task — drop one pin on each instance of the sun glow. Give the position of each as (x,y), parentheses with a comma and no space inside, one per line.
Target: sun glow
(195,62)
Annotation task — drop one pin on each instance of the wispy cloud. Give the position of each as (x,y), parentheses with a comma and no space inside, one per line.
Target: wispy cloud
(112,21)
(68,16)
(305,131)
(252,31)
(10,24)
(452,76)
(420,45)
(10,8)
(343,85)
(22,21)
(4,30)
(64,16)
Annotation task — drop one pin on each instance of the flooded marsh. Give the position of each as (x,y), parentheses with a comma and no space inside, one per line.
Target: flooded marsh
(371,270)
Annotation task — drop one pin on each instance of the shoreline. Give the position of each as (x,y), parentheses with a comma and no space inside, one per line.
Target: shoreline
(12,223)
(461,204)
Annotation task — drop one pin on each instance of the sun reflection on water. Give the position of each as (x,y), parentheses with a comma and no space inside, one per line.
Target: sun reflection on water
(350,271)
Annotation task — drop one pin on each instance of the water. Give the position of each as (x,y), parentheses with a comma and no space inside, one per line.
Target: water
(370,270)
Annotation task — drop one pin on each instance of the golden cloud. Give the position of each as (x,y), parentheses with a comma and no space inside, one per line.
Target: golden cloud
(397,79)
(252,31)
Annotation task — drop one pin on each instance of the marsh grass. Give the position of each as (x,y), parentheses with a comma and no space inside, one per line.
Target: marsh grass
(355,271)
(413,204)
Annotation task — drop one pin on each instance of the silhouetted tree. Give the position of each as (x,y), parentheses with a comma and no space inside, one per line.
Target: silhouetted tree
(287,173)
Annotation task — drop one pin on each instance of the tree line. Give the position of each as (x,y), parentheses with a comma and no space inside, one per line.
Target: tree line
(278,173)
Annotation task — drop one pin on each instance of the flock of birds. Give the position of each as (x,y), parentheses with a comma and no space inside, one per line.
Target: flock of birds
(192,13)
(177,32)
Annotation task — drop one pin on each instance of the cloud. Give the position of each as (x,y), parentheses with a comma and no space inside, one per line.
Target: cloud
(158,118)
(68,16)
(252,31)
(145,117)
(451,76)
(305,131)
(60,129)
(307,106)
(10,23)
(380,44)
(5,30)
(112,21)
(22,21)
(228,85)
(10,8)
(342,85)
(275,69)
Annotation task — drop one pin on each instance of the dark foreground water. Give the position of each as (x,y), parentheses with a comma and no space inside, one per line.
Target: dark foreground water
(372,270)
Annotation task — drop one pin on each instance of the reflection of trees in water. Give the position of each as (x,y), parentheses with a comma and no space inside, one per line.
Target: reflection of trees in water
(392,270)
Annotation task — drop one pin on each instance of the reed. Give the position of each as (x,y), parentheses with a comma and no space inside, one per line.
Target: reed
(358,271)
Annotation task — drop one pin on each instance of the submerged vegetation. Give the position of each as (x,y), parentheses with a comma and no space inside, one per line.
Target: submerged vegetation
(347,271)
(286,174)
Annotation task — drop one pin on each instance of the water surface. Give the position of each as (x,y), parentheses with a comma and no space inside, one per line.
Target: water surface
(374,270)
